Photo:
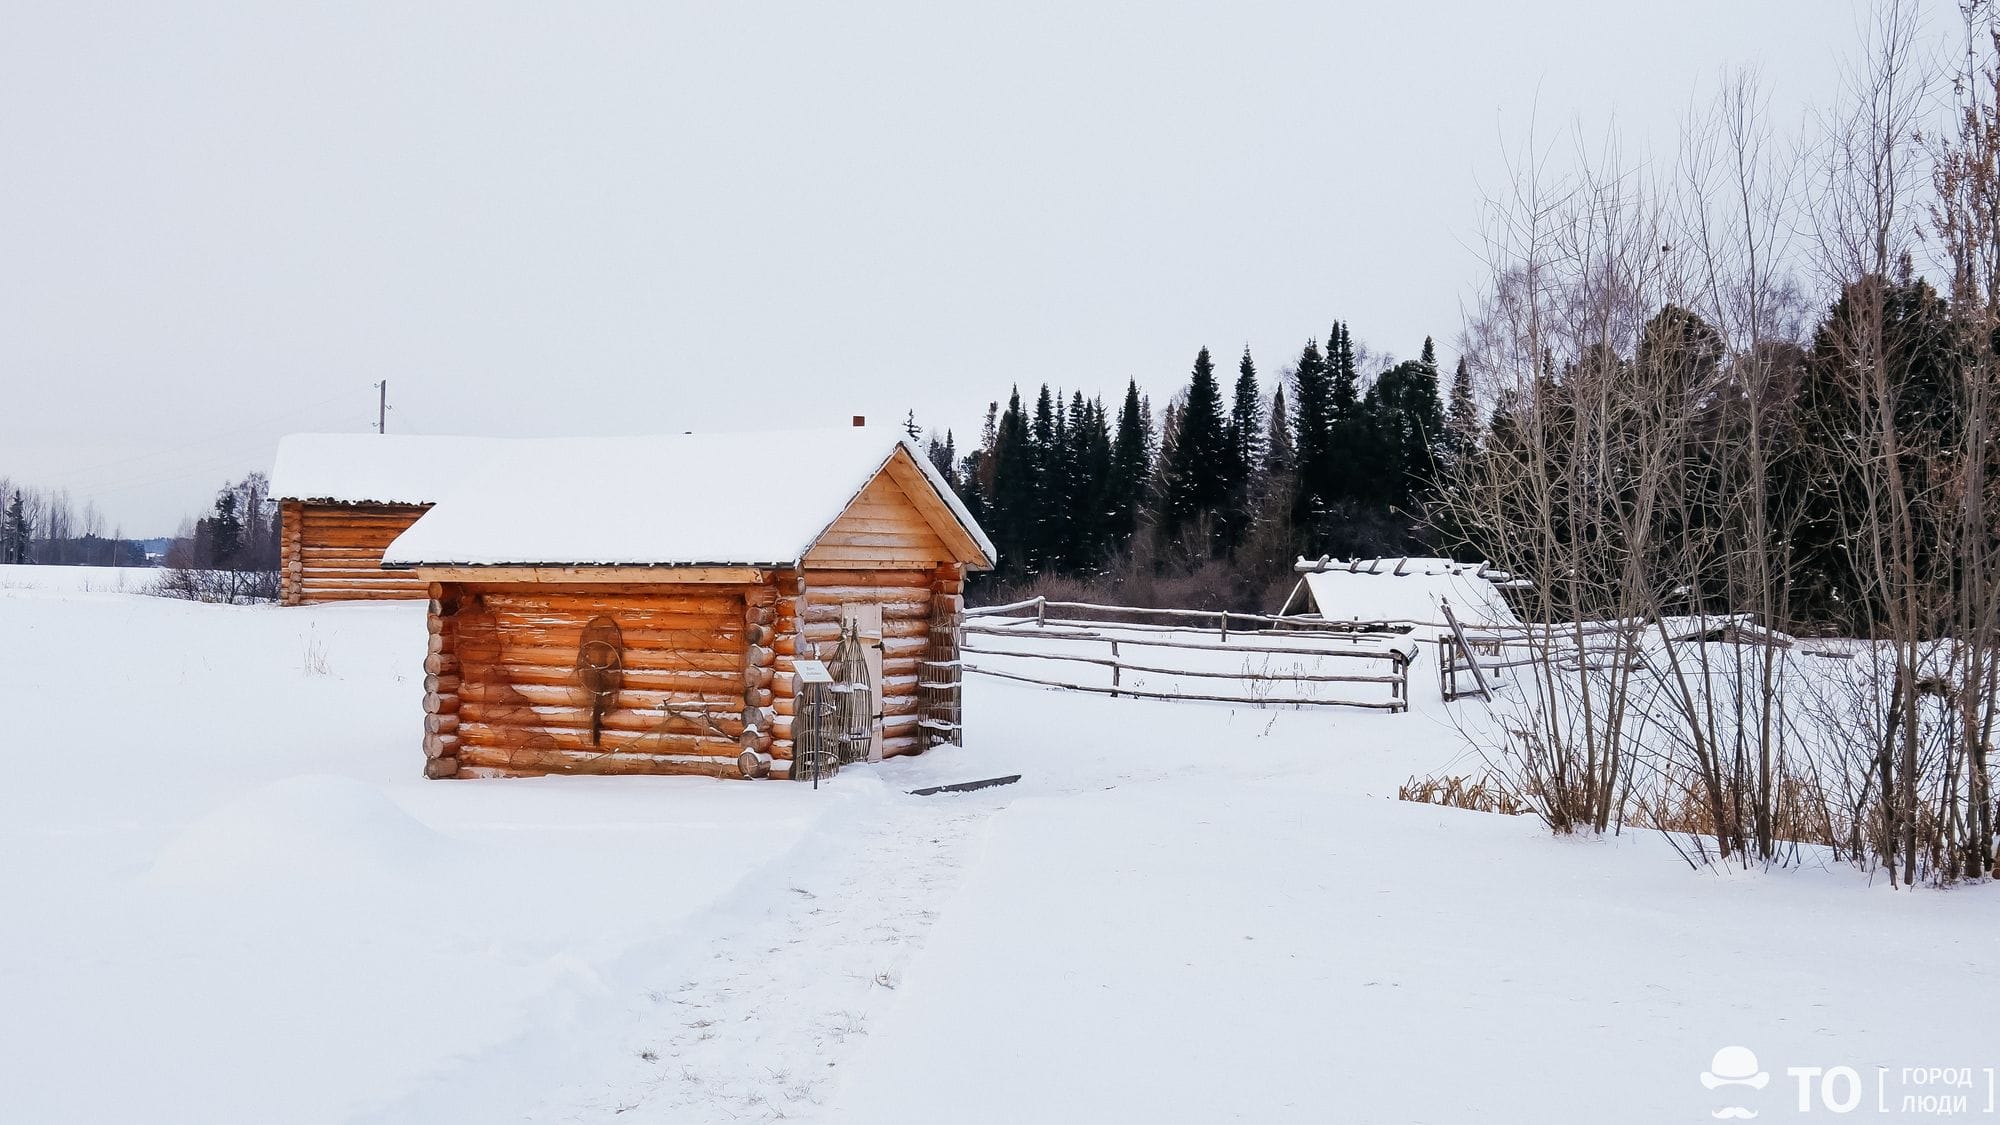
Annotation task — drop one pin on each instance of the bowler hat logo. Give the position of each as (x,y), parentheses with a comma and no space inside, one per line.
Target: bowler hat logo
(1734,1066)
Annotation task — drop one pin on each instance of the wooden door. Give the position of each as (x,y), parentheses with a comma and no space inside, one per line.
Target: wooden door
(867,620)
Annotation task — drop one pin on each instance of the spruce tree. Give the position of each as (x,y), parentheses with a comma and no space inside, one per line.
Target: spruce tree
(1405,423)
(1680,358)
(944,458)
(1169,439)
(1910,325)
(1246,450)
(1044,520)
(976,470)
(15,532)
(1314,465)
(1059,491)
(1268,539)
(1130,456)
(1013,498)
(1346,379)
(1073,547)
(1422,451)
(1349,470)
(1278,449)
(1093,505)
(1199,474)
(225,531)
(971,472)
(1461,419)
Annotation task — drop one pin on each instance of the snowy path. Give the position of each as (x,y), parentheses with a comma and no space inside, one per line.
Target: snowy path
(757,1025)
(761,1005)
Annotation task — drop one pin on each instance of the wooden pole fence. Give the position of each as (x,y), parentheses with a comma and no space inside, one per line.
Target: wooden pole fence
(1083,635)
(1115,664)
(1392,705)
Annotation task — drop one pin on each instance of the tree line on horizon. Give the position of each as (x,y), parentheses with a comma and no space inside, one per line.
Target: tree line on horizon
(238,532)
(38,526)
(1206,503)
(1209,499)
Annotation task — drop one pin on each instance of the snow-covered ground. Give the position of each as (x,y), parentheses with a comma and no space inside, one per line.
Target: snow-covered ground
(228,897)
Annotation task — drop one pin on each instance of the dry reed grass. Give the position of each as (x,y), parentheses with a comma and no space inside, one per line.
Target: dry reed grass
(1484,794)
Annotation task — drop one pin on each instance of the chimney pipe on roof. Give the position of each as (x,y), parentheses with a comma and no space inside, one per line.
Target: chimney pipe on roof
(860,420)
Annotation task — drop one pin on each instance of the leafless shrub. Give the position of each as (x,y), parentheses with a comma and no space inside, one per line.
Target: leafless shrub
(225,587)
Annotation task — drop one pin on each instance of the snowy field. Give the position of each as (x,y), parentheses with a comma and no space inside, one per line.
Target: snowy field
(229,897)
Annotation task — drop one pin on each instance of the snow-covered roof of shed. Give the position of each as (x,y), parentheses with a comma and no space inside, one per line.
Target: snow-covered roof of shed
(377,468)
(752,499)
(1406,589)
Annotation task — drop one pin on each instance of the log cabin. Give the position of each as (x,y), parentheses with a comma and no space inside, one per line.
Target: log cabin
(343,498)
(637,605)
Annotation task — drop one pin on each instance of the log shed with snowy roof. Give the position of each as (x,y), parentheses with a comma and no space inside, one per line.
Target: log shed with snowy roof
(1411,595)
(343,498)
(625,605)
(1403,591)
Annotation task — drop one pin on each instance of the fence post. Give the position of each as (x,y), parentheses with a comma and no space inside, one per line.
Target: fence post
(1225,626)
(1041,604)
(1114,669)
(1478,674)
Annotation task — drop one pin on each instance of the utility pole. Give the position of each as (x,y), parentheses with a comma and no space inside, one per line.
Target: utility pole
(382,408)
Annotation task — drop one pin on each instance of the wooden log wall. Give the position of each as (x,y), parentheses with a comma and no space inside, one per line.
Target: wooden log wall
(503,696)
(760,657)
(941,674)
(786,625)
(442,684)
(905,598)
(333,552)
(291,565)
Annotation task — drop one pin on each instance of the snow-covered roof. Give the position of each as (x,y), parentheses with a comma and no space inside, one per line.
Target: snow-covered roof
(751,499)
(1406,589)
(1739,627)
(379,468)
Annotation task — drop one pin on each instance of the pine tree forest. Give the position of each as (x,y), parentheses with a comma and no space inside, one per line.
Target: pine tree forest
(1206,500)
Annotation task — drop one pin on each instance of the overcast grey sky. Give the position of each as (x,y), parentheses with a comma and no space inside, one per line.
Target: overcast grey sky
(224,222)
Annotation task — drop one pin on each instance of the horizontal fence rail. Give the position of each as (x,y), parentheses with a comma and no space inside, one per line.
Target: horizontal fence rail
(1054,632)
(1030,623)
(1112,662)
(1222,618)
(1147,693)
(1060,631)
